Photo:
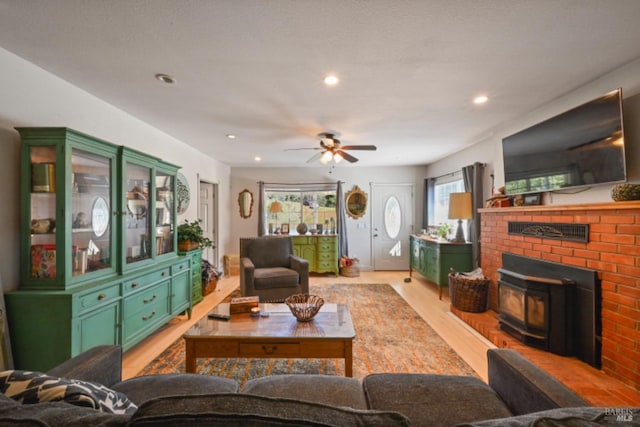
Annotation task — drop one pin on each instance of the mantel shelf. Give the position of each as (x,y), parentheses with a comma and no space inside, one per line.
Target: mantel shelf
(632,204)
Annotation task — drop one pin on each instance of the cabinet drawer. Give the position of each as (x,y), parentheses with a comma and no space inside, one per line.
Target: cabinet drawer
(144,299)
(301,240)
(100,296)
(145,319)
(326,266)
(326,256)
(182,266)
(327,248)
(140,282)
(324,240)
(271,349)
(196,280)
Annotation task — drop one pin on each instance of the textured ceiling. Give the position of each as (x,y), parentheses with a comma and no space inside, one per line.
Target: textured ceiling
(409,69)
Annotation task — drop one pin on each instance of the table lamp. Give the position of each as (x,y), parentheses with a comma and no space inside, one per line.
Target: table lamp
(275,209)
(460,208)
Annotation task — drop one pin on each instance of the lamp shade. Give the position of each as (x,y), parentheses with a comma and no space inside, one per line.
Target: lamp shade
(275,207)
(460,206)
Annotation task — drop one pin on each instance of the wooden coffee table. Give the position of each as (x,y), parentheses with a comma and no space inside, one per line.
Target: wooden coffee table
(329,335)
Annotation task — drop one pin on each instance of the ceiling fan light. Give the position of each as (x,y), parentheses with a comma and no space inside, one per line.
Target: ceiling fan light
(337,158)
(326,157)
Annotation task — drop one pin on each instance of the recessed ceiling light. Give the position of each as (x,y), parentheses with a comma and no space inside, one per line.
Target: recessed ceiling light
(331,80)
(231,136)
(257,158)
(481,99)
(165,78)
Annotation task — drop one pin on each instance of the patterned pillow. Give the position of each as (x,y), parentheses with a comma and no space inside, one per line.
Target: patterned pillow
(36,387)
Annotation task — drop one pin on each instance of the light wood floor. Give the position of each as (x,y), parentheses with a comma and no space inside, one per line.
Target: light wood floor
(420,294)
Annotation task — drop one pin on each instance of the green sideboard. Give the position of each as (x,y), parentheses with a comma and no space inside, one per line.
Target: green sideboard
(321,250)
(196,273)
(433,259)
(98,248)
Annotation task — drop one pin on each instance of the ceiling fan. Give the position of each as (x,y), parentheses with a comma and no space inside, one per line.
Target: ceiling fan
(332,149)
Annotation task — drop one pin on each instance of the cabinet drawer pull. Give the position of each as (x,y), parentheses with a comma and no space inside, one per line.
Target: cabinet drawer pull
(102,296)
(153,313)
(164,273)
(269,349)
(134,285)
(150,299)
(181,267)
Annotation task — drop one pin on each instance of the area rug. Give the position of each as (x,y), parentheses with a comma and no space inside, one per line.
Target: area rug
(390,337)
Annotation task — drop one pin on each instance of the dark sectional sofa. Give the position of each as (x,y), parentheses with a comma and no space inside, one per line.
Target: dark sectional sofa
(518,394)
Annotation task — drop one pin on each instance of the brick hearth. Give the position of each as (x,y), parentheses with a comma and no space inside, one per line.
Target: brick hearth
(613,250)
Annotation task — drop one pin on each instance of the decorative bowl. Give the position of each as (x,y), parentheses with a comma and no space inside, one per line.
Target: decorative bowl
(304,306)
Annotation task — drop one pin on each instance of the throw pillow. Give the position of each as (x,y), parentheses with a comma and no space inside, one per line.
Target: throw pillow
(34,387)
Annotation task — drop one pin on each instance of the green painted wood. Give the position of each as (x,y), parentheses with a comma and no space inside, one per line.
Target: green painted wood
(100,326)
(54,318)
(63,142)
(434,259)
(195,257)
(321,251)
(144,311)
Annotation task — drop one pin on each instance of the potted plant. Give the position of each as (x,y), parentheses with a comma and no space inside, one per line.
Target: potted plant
(443,230)
(191,236)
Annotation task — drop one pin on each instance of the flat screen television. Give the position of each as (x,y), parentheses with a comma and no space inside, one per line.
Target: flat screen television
(579,148)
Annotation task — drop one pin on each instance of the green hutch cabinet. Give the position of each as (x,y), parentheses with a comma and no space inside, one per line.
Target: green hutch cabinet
(433,259)
(98,248)
(320,250)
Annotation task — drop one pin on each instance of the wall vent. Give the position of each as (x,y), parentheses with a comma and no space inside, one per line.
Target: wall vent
(550,230)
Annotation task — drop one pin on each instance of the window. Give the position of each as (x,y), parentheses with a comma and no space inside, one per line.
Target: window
(294,204)
(445,185)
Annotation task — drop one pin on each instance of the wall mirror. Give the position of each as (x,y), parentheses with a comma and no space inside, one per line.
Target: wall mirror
(356,202)
(245,202)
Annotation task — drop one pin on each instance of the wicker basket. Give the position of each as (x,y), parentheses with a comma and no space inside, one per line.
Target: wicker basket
(468,294)
(351,271)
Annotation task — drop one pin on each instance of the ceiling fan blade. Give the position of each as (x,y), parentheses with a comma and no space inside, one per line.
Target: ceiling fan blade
(315,157)
(307,148)
(359,147)
(348,157)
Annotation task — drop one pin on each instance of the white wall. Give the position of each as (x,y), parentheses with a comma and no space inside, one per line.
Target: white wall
(358,230)
(31,96)
(489,151)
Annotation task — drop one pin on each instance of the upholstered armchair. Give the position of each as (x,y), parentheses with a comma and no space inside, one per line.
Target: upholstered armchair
(270,270)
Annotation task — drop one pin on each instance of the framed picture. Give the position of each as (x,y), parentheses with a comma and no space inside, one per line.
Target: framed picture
(284,228)
(532,199)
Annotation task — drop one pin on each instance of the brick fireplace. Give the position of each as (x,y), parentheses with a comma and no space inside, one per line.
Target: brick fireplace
(612,249)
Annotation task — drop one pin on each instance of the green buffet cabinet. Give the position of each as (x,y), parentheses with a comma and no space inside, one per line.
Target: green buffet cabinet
(320,250)
(98,248)
(433,259)
(196,273)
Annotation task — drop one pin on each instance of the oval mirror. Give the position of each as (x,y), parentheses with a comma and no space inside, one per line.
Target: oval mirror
(245,202)
(356,202)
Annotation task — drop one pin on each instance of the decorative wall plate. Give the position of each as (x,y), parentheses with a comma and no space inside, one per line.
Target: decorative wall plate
(183,193)
(100,216)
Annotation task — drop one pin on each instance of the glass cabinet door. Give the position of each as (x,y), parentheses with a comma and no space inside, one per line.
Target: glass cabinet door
(91,244)
(137,223)
(165,211)
(43,212)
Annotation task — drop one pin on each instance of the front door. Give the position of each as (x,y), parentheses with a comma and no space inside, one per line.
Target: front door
(392,222)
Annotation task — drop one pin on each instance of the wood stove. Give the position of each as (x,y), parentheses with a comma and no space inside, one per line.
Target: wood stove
(554,307)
